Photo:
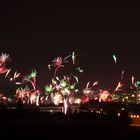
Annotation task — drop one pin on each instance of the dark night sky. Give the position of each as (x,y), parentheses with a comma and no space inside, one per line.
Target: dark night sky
(35,33)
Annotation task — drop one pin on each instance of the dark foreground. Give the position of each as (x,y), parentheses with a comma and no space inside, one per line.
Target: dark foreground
(42,125)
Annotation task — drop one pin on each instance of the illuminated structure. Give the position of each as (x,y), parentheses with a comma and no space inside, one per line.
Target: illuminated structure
(130,96)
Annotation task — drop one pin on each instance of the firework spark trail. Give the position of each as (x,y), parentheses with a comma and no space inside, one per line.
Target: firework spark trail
(18,83)
(3,70)
(37,97)
(32,78)
(57,64)
(7,73)
(65,106)
(87,84)
(79,70)
(33,83)
(73,57)
(95,83)
(3,59)
(65,59)
(76,78)
(118,87)
(122,74)
(16,75)
(115,58)
(49,66)
(133,80)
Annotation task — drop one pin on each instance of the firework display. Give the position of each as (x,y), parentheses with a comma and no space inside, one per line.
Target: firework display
(62,88)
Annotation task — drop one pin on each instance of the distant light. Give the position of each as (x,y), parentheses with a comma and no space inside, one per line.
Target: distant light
(118,114)
(122,108)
